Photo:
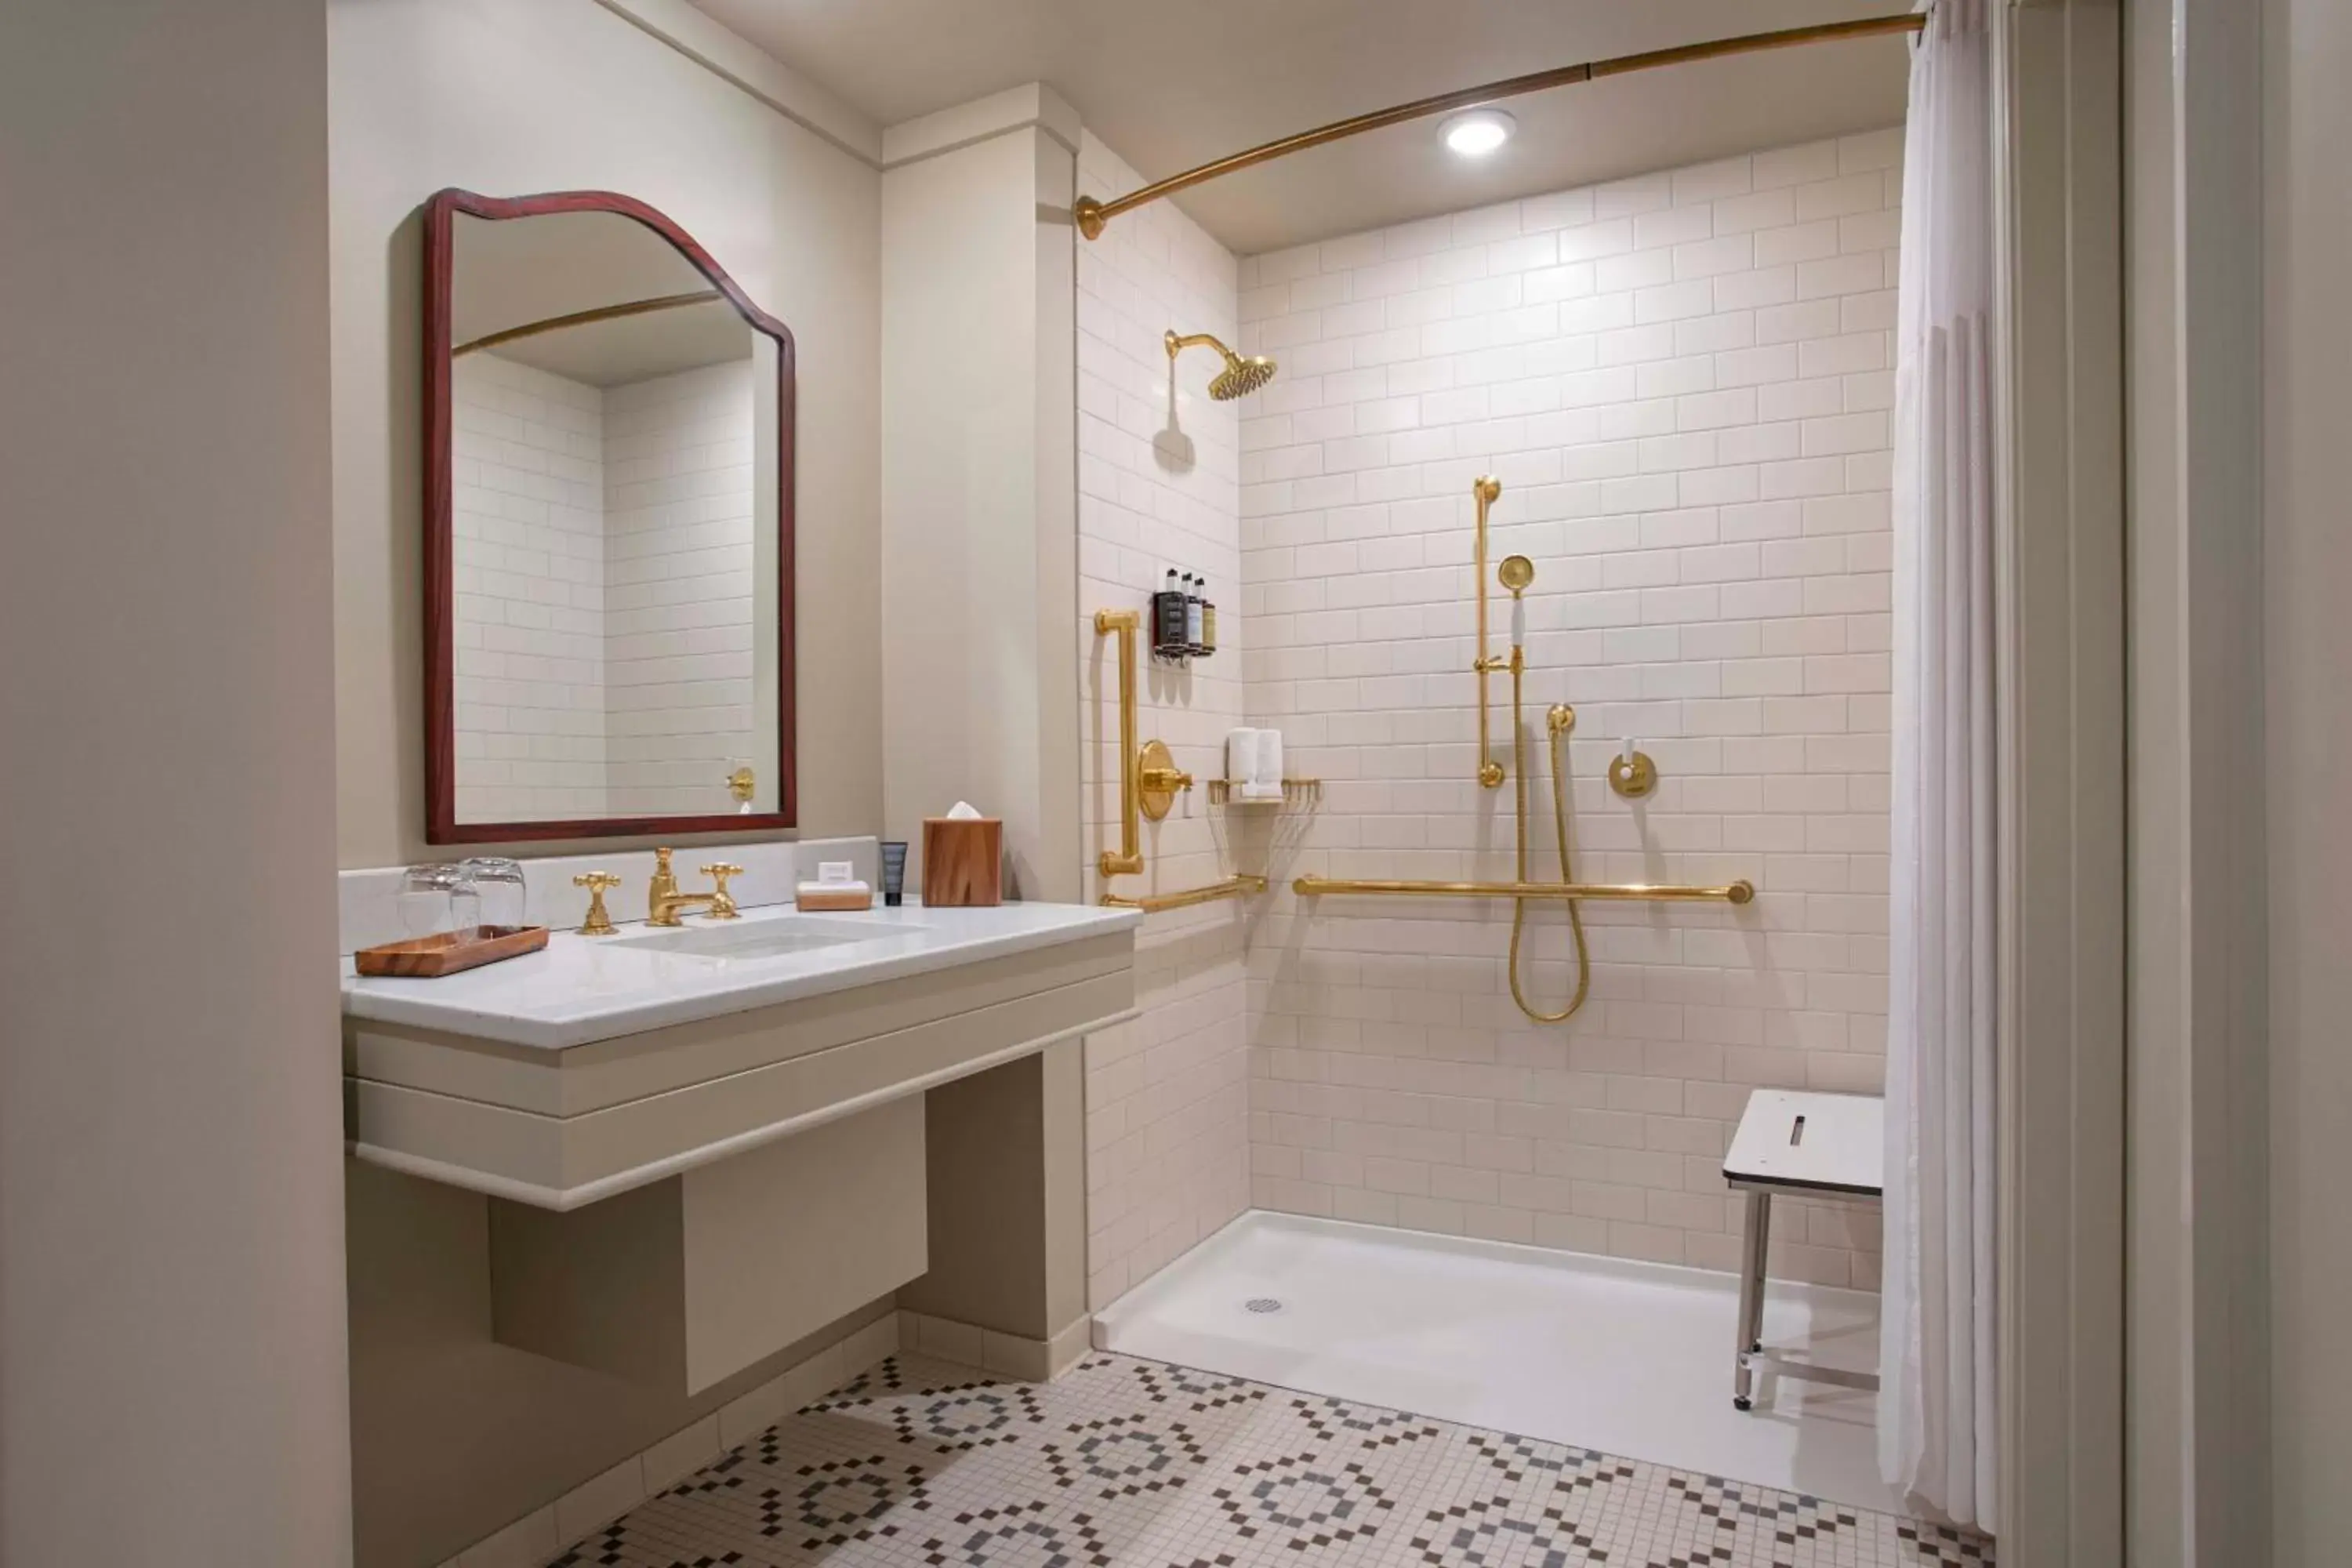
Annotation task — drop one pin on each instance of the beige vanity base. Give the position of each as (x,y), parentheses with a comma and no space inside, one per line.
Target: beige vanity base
(1006,1355)
(559,1130)
(686,1281)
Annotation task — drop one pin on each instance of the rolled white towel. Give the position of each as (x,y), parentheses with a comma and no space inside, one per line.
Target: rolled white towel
(1241,755)
(1269,759)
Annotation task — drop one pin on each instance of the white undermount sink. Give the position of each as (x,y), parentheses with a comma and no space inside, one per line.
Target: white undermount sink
(760,939)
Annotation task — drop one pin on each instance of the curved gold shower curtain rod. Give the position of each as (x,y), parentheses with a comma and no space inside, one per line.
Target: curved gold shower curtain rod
(1092,214)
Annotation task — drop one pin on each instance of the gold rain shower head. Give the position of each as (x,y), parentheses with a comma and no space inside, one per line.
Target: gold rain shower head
(1238,379)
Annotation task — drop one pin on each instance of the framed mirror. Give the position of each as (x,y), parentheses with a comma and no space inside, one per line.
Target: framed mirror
(608,540)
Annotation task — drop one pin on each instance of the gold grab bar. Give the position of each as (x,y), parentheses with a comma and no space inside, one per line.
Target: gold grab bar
(1148,782)
(1092,214)
(1129,858)
(1490,772)
(1240,887)
(1739,892)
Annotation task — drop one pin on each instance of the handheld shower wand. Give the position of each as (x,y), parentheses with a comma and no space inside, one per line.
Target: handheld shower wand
(1517,573)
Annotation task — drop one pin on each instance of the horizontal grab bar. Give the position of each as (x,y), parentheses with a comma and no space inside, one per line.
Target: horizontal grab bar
(1739,892)
(1151,903)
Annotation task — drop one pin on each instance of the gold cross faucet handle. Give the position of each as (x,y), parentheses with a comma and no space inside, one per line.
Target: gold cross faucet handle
(722,904)
(599,922)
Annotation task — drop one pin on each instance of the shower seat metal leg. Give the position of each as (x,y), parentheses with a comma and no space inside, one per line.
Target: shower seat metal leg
(1757,1236)
(1811,1145)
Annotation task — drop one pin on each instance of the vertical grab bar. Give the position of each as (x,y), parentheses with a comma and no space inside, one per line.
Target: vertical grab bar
(1128,861)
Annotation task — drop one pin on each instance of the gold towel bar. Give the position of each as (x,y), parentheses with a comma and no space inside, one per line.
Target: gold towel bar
(1151,903)
(1739,892)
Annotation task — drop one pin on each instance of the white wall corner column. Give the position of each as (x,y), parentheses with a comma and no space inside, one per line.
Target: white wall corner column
(980,613)
(2198,1375)
(979,478)
(2306,47)
(2060,675)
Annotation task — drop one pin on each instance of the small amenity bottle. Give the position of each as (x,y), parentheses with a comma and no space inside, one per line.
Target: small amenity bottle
(1168,619)
(1208,621)
(1191,614)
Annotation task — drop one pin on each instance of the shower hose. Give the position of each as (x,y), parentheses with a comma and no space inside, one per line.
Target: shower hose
(1556,723)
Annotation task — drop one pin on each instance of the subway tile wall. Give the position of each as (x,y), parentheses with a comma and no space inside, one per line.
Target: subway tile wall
(679,596)
(605,594)
(1167,1094)
(1683,384)
(528,531)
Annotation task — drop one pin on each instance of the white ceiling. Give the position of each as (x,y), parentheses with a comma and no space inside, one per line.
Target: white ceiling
(1169,84)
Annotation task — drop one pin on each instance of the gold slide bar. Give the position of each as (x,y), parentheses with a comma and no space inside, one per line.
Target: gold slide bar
(1239,887)
(1740,892)
(1092,214)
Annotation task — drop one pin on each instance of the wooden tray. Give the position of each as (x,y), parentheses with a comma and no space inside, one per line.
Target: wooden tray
(431,957)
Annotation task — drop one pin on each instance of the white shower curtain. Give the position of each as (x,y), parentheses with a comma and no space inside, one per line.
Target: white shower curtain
(1936,1413)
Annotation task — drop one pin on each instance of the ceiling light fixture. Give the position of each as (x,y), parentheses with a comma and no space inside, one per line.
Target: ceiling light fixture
(1478,133)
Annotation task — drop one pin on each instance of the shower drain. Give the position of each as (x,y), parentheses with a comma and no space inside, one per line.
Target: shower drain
(1262,1304)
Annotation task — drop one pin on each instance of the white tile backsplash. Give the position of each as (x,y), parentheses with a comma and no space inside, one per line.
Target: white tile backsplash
(772,870)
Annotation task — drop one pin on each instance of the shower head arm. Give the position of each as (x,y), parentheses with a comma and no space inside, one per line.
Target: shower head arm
(1177,345)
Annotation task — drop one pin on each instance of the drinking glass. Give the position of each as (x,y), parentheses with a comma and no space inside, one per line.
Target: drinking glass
(501,884)
(428,899)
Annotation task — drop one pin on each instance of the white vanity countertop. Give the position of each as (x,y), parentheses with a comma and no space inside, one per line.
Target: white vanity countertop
(593,988)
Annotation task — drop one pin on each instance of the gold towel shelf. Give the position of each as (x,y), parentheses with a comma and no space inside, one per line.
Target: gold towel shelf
(1739,892)
(1239,887)
(1309,791)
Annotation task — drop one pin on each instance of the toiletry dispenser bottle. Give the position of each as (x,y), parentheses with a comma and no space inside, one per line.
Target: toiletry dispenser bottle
(1191,614)
(1208,621)
(1168,619)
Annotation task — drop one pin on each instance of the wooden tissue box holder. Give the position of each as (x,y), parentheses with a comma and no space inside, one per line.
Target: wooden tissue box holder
(961,857)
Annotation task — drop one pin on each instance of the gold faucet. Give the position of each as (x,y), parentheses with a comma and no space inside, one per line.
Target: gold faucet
(599,922)
(663,900)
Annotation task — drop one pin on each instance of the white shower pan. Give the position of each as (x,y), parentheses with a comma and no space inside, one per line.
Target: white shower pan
(1632,1359)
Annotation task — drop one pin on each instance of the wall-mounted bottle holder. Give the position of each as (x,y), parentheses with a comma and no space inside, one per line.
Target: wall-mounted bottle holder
(1183,620)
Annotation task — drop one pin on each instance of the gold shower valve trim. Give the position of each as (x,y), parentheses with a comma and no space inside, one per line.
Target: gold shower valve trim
(1156,779)
(1092,214)
(1633,776)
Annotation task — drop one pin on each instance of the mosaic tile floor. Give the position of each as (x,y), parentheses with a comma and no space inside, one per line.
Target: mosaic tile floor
(1135,1463)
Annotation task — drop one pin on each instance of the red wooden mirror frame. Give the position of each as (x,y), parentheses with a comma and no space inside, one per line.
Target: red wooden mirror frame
(442,826)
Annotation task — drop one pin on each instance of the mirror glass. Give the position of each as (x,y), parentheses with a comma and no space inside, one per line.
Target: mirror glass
(616,559)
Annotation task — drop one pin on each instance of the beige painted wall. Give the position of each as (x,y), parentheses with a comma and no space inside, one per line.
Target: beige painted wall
(977,489)
(453,1434)
(170,1217)
(542,95)
(2307,570)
